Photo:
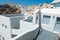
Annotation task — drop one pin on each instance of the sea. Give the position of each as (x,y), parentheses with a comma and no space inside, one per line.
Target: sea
(25,2)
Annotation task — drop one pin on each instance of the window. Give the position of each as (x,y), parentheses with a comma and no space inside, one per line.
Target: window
(46,19)
(2,25)
(3,38)
(6,26)
(57,24)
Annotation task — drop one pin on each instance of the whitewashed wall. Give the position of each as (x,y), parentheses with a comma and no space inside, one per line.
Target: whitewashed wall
(5,28)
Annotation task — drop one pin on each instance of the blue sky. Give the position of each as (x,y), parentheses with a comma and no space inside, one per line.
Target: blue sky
(25,2)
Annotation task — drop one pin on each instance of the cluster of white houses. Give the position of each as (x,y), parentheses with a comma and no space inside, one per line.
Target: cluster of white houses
(26,27)
(16,27)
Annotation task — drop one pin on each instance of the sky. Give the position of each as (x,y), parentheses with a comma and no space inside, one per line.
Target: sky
(25,2)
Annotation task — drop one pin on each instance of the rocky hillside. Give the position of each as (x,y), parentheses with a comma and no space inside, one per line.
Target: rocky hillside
(9,9)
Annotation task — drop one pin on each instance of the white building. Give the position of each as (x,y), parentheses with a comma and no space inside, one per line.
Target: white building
(50,22)
(13,28)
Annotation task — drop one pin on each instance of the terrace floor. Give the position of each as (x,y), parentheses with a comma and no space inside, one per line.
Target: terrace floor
(46,35)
